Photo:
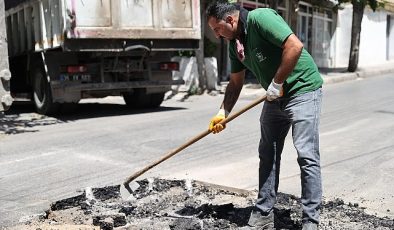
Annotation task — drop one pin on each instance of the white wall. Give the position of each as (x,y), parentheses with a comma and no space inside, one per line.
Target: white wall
(342,37)
(391,39)
(373,42)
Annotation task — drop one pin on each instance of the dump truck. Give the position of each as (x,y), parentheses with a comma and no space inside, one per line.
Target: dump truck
(62,51)
(5,74)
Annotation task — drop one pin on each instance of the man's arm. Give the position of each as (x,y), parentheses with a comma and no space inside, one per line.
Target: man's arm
(233,90)
(292,49)
(231,95)
(291,52)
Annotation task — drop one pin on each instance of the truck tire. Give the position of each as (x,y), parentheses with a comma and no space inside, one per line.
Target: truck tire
(156,99)
(141,100)
(42,94)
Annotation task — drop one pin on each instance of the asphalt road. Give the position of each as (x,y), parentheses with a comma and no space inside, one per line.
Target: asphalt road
(43,159)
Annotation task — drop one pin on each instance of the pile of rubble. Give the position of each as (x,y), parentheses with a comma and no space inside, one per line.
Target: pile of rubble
(185,204)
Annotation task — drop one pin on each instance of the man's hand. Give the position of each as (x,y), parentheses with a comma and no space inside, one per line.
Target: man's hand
(214,125)
(274,91)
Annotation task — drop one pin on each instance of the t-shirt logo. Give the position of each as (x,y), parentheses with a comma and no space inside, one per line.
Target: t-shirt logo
(260,56)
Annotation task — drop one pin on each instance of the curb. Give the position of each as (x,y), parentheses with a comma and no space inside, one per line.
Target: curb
(330,79)
(375,72)
(251,90)
(363,73)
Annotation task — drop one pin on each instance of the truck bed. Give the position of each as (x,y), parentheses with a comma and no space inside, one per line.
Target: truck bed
(36,25)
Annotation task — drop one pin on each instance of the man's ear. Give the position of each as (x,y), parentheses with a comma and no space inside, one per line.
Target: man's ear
(229,19)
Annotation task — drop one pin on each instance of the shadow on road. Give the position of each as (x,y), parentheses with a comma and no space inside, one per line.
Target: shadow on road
(385,112)
(21,117)
(93,110)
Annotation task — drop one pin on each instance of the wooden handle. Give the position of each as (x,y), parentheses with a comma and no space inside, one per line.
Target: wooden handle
(190,142)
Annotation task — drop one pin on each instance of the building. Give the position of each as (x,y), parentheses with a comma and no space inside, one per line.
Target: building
(325,31)
(376,38)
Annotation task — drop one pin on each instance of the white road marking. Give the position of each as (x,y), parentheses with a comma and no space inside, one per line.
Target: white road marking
(31,157)
(354,125)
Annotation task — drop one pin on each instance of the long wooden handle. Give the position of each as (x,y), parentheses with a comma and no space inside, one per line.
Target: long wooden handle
(190,142)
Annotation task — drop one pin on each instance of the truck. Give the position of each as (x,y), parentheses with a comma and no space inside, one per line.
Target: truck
(5,74)
(62,51)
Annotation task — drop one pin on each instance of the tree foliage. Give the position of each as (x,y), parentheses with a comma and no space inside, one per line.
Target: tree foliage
(374,4)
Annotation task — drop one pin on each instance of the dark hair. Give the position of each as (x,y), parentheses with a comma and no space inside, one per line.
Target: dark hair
(219,9)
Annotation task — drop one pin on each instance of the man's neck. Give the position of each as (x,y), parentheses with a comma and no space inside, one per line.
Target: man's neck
(240,25)
(242,15)
(240,29)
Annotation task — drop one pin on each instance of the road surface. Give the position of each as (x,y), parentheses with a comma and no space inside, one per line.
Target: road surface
(43,159)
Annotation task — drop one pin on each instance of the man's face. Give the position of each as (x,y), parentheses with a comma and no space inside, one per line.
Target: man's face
(223,28)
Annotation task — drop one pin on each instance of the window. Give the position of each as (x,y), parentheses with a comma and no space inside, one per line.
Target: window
(283,6)
(322,36)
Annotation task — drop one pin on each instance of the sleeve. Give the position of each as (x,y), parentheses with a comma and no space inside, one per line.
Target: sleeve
(271,26)
(236,64)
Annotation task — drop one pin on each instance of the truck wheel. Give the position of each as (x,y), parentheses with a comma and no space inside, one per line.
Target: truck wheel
(42,95)
(139,99)
(156,99)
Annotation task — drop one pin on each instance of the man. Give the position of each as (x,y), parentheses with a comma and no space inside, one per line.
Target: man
(262,42)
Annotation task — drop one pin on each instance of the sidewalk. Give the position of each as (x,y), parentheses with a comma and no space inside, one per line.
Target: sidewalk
(252,88)
(340,75)
(329,76)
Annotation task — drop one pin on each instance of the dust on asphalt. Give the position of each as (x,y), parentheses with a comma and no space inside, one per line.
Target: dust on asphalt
(185,204)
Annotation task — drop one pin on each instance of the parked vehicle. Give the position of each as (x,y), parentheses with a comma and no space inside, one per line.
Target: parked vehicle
(5,74)
(64,50)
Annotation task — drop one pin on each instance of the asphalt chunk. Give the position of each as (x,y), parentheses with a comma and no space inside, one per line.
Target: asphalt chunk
(179,204)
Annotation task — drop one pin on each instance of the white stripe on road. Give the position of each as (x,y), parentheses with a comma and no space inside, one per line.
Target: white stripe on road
(104,160)
(347,128)
(31,157)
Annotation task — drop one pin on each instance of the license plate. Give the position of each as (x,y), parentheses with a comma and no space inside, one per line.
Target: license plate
(75,77)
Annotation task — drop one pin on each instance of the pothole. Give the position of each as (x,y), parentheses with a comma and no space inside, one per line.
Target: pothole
(179,204)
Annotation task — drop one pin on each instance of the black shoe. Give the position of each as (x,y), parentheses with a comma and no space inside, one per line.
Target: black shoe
(309,226)
(261,221)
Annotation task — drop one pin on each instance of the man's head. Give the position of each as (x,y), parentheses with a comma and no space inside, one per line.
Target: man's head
(223,19)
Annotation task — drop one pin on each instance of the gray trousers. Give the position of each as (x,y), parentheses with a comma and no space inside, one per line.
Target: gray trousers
(302,113)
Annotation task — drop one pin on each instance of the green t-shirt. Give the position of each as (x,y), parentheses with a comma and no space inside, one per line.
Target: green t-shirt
(266,32)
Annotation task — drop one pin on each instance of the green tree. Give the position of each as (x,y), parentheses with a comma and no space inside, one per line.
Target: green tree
(358,13)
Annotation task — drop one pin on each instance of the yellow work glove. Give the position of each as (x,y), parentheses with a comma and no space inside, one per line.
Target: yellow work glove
(214,125)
